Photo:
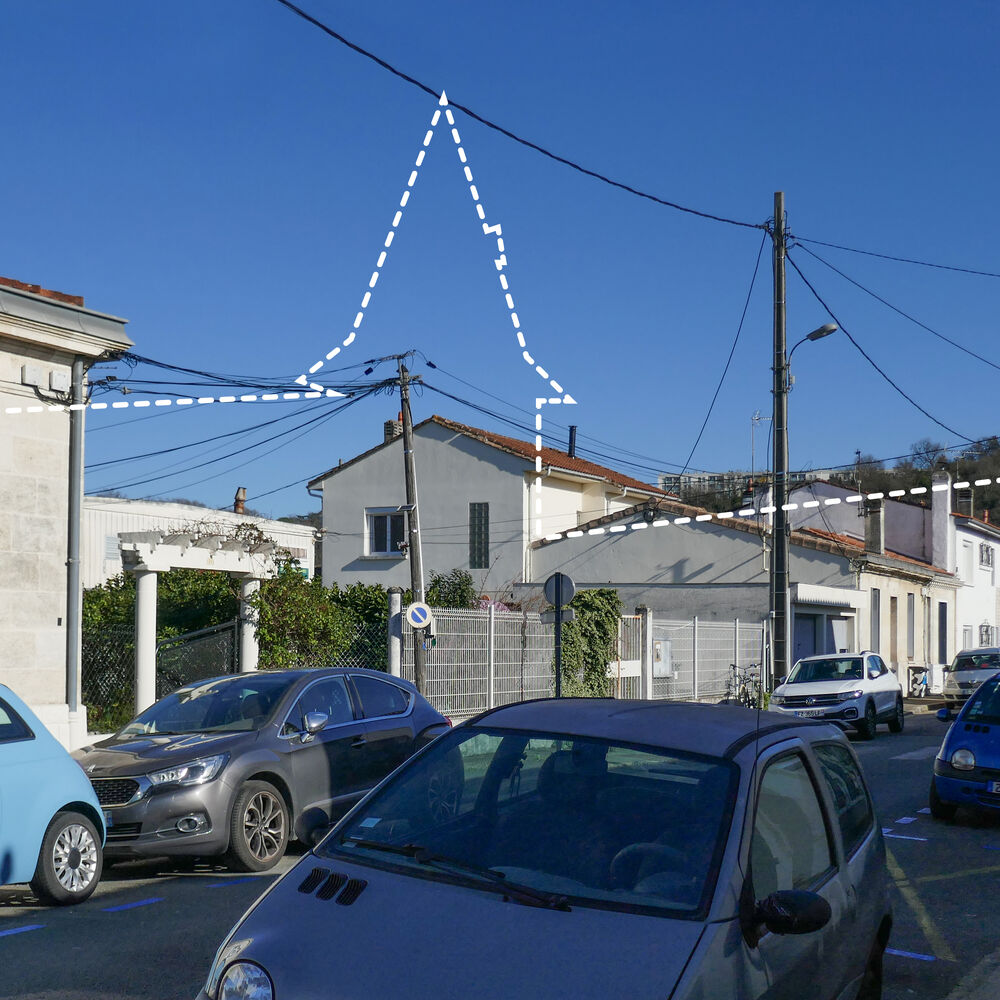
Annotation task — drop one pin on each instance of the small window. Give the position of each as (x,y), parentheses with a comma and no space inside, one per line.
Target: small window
(850,798)
(380,698)
(985,635)
(479,536)
(12,726)
(386,533)
(791,847)
(985,554)
(328,696)
(111,553)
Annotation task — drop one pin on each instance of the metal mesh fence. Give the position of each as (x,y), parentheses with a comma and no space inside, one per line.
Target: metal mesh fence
(698,656)
(196,656)
(108,677)
(481,659)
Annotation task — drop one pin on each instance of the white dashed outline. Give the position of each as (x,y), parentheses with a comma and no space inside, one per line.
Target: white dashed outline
(664,522)
(139,404)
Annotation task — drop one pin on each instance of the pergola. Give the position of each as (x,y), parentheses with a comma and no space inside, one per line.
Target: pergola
(147,553)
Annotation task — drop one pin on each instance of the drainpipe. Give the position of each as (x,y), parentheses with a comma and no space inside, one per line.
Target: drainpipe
(74,594)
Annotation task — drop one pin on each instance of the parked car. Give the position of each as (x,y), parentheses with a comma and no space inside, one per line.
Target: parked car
(967,767)
(968,670)
(587,848)
(51,826)
(237,765)
(851,689)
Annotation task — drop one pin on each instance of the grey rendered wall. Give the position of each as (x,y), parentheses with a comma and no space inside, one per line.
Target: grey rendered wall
(452,471)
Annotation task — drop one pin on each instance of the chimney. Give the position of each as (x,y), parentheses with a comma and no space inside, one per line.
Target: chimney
(392,430)
(240,501)
(942,529)
(986,515)
(572,441)
(875,527)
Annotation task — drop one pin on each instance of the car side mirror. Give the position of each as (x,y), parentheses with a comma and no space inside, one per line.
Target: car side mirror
(944,714)
(873,674)
(780,681)
(793,911)
(314,722)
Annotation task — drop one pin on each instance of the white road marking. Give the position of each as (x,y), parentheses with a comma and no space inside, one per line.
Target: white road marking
(924,753)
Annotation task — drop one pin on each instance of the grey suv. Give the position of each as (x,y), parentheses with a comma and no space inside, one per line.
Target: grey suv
(237,765)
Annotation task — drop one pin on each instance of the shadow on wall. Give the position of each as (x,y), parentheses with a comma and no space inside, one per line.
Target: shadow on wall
(5,868)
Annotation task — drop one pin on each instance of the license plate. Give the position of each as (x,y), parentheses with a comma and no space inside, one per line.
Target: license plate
(806,713)
(993,787)
(108,821)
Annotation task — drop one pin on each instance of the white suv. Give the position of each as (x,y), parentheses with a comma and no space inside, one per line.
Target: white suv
(851,689)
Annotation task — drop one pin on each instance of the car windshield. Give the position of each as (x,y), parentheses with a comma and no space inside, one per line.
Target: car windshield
(830,668)
(228,704)
(976,661)
(587,821)
(984,705)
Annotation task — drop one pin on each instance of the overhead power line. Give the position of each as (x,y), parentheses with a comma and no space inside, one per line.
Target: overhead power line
(905,315)
(436,93)
(868,357)
(901,260)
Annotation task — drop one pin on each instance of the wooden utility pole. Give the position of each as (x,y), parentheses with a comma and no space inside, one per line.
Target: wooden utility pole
(413,520)
(779,534)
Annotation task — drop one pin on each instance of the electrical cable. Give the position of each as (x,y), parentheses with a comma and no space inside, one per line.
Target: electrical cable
(732,351)
(503,131)
(896,309)
(868,358)
(901,260)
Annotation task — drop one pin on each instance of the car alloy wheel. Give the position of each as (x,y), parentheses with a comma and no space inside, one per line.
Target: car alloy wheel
(870,724)
(259,828)
(69,862)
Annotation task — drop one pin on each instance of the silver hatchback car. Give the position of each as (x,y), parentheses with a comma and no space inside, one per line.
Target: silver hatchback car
(587,848)
(968,670)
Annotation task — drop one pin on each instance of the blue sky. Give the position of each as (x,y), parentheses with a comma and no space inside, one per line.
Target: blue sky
(223,175)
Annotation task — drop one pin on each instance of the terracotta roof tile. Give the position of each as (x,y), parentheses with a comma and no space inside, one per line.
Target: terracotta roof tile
(854,543)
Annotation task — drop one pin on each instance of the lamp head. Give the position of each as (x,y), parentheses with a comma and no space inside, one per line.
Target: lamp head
(824,331)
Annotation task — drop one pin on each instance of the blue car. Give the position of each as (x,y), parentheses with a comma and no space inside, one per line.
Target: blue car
(51,824)
(967,767)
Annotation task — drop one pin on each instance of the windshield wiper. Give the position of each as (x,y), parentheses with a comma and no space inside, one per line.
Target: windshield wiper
(521,893)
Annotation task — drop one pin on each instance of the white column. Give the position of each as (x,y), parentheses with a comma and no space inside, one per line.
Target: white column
(646,663)
(249,647)
(145,639)
(395,631)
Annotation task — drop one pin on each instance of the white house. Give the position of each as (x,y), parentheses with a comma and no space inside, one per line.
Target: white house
(104,518)
(958,544)
(475,495)
(47,342)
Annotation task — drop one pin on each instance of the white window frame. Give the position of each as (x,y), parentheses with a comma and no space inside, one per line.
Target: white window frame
(986,555)
(388,512)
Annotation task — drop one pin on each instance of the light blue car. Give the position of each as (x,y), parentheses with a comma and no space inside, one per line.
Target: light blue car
(51,824)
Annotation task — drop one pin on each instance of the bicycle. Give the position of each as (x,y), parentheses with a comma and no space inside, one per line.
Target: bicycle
(743,686)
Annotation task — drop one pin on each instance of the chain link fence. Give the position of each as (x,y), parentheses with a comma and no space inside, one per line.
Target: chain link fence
(196,656)
(107,684)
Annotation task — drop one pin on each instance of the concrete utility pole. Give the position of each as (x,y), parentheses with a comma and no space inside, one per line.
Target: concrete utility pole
(779,536)
(414,551)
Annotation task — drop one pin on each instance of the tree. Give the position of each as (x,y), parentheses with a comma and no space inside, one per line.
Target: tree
(928,454)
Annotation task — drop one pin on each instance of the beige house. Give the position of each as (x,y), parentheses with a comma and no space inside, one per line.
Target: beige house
(48,340)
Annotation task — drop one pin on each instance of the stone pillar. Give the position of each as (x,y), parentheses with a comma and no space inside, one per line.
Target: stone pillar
(249,647)
(395,637)
(145,639)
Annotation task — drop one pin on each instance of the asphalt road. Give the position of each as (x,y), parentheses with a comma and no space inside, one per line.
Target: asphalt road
(151,928)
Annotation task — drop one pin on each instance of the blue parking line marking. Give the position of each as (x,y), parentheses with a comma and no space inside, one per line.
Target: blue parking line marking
(233,881)
(991,847)
(910,954)
(21,930)
(901,836)
(132,906)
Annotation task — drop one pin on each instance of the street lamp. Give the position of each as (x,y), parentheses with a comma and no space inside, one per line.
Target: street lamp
(780,605)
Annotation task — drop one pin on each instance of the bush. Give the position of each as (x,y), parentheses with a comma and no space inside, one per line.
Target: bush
(590,643)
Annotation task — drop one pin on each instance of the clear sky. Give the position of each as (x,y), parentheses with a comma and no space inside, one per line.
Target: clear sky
(224,175)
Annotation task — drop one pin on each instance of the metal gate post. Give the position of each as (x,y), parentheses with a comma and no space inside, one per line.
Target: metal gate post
(694,661)
(736,641)
(491,630)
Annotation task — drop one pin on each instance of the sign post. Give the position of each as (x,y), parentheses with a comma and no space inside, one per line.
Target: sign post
(559,590)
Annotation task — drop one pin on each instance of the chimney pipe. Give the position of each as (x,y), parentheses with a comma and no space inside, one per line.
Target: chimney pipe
(240,501)
(572,441)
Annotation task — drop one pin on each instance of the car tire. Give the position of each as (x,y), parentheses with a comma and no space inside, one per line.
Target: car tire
(869,724)
(896,722)
(258,828)
(70,861)
(939,808)
(871,981)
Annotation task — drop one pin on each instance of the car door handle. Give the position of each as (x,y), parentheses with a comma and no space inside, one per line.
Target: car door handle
(358,741)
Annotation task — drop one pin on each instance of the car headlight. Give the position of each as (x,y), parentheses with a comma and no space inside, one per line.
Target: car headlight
(245,981)
(195,773)
(777,699)
(964,760)
(850,695)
